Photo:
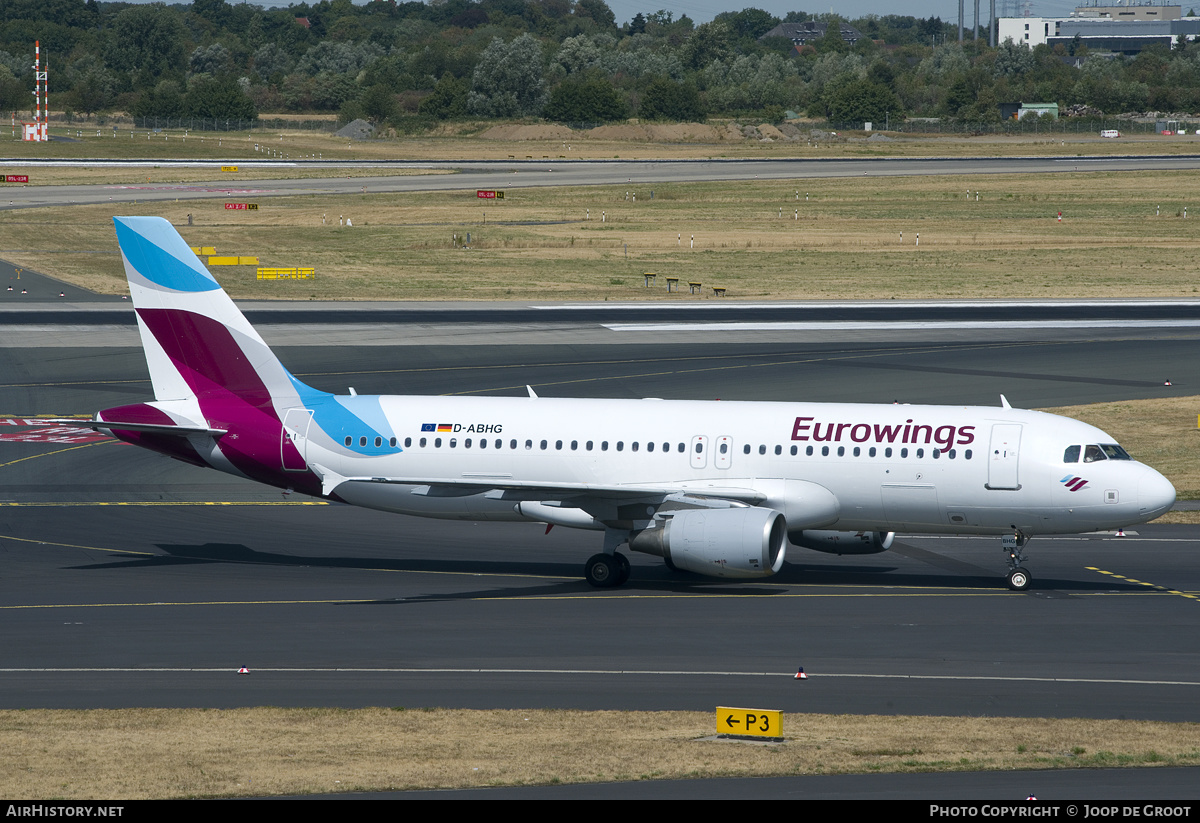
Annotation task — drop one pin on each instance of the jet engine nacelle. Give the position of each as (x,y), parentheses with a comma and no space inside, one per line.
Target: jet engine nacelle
(843,542)
(740,542)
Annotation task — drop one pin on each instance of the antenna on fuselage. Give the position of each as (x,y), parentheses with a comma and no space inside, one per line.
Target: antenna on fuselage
(532,393)
(1004,402)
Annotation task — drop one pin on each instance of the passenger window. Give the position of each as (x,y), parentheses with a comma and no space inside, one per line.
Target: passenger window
(809,451)
(936,454)
(841,451)
(920,452)
(543,444)
(887,452)
(699,448)
(951,453)
(1093,453)
(724,448)
(1071,455)
(589,445)
(650,446)
(794,450)
(620,445)
(437,443)
(467,443)
(761,449)
(378,442)
(779,449)
(574,445)
(423,442)
(857,451)
(871,452)
(528,444)
(362,441)
(512,444)
(682,448)
(558,445)
(407,442)
(967,454)
(603,445)
(347,441)
(633,446)
(904,452)
(453,442)
(746,449)
(483,442)
(824,451)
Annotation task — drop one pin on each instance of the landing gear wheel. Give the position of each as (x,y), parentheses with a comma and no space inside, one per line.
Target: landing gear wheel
(1019,579)
(602,571)
(623,568)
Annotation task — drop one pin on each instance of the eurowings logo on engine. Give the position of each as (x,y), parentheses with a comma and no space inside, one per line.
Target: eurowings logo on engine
(1073,483)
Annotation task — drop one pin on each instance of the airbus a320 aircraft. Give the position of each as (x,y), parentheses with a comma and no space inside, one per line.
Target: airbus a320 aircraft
(717,488)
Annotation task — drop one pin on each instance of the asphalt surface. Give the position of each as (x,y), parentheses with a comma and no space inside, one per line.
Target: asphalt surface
(121,591)
(131,580)
(516,174)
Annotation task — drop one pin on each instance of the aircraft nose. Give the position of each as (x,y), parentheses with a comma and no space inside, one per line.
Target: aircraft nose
(1156,495)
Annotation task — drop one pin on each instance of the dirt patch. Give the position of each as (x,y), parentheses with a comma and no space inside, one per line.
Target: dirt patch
(649,132)
(769,132)
(536,132)
(619,131)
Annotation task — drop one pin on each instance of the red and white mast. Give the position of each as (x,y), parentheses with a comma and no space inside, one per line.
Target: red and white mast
(40,94)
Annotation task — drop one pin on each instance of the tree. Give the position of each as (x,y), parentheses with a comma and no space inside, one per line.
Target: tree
(449,98)
(668,100)
(508,80)
(590,100)
(148,40)
(860,101)
(218,99)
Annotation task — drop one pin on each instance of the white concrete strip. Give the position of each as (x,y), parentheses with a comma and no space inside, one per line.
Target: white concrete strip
(628,672)
(900,325)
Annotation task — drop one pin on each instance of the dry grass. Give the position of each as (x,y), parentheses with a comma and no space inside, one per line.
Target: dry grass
(539,243)
(473,140)
(160,753)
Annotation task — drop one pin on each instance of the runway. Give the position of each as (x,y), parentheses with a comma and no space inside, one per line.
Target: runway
(547,171)
(131,580)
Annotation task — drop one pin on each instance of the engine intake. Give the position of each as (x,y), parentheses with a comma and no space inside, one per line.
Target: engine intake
(741,542)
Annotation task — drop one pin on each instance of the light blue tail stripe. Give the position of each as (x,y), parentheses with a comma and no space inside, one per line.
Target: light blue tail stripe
(158,253)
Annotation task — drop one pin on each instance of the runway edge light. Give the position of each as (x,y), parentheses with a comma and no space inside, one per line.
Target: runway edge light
(800,675)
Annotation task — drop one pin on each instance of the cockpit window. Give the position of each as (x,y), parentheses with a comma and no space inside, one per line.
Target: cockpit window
(1093,453)
(1071,455)
(1115,452)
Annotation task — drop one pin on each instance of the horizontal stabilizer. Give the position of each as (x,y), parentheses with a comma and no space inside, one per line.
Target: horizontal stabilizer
(152,428)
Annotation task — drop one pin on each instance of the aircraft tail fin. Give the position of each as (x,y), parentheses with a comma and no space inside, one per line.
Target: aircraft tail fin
(198,344)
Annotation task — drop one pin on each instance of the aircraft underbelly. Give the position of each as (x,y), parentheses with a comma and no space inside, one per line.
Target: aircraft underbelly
(426,501)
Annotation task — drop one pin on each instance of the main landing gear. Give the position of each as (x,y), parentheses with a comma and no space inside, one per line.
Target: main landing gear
(605,571)
(1019,578)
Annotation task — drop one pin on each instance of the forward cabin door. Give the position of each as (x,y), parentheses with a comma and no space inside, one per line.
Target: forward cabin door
(1003,456)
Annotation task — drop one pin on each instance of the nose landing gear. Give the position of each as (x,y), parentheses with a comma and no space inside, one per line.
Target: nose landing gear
(1018,577)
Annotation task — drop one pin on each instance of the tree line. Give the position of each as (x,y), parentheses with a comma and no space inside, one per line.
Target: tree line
(410,64)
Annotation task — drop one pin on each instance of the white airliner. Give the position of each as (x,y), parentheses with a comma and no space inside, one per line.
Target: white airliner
(717,488)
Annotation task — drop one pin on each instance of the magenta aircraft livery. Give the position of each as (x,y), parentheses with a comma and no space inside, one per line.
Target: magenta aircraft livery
(718,488)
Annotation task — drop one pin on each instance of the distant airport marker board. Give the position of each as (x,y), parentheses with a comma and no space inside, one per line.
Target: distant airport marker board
(242,206)
(229,168)
(749,722)
(16,178)
(488,194)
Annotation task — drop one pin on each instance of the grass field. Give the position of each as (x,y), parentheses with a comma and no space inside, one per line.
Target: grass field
(156,753)
(1122,235)
(469,140)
